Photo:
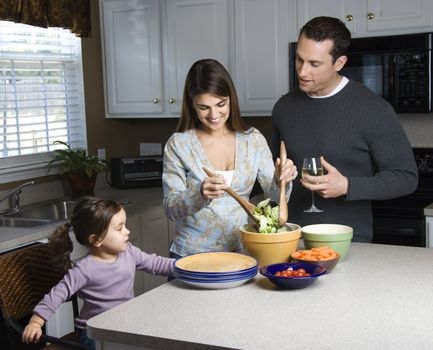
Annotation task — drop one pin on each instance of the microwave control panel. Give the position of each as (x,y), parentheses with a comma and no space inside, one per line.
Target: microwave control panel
(413,81)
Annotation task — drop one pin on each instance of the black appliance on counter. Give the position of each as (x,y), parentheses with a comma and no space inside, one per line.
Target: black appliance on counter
(401,221)
(135,172)
(398,68)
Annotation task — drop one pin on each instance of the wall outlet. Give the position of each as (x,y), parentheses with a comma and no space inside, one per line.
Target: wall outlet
(101,154)
(150,149)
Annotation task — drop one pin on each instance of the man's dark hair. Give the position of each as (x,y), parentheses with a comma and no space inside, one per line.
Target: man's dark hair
(324,28)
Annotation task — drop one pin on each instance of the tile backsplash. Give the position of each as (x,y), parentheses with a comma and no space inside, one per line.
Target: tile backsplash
(419,128)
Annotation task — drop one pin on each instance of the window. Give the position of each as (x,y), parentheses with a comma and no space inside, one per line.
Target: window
(41,97)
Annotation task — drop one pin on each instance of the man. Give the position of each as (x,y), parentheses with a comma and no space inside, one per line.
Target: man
(365,152)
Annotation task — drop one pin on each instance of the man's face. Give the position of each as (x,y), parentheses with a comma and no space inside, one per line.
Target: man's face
(317,75)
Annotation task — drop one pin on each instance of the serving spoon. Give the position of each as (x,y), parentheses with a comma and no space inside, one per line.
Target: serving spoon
(284,209)
(247,206)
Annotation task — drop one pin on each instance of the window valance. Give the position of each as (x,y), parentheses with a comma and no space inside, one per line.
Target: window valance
(68,14)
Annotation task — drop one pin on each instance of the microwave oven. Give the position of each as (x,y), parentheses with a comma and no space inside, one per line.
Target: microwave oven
(398,68)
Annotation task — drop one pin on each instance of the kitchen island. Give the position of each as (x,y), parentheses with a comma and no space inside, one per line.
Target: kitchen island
(380,297)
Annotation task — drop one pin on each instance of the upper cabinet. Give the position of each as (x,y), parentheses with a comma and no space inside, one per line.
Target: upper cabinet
(148,47)
(263,30)
(346,10)
(195,30)
(402,16)
(131,44)
(372,17)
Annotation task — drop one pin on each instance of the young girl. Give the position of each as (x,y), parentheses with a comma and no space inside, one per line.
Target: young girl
(105,277)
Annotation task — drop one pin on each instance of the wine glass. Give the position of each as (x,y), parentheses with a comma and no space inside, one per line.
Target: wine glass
(312,167)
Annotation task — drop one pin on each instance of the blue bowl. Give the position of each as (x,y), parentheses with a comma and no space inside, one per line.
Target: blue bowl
(292,282)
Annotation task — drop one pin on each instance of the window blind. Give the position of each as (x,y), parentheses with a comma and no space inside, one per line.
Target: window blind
(41,90)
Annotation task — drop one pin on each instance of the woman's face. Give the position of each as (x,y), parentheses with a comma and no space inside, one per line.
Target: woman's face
(212,111)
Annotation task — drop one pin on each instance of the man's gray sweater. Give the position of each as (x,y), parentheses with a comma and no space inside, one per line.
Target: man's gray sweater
(358,133)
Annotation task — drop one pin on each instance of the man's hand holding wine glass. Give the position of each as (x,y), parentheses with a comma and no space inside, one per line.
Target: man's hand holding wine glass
(331,185)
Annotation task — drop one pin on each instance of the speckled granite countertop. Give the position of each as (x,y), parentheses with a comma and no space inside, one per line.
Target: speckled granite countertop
(137,199)
(380,297)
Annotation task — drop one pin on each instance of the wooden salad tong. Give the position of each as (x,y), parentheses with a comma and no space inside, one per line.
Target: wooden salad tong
(284,209)
(247,206)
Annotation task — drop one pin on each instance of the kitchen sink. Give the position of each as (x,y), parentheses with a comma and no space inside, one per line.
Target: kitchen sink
(53,210)
(39,214)
(22,222)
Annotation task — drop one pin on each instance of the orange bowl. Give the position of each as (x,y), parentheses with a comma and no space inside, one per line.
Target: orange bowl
(270,248)
(328,264)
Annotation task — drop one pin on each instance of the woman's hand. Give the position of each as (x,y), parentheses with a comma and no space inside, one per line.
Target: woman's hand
(33,331)
(213,187)
(286,171)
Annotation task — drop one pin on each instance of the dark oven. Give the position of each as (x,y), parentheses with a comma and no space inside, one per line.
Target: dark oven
(401,221)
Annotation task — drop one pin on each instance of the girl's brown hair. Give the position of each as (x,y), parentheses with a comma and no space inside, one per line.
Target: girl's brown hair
(91,216)
(208,76)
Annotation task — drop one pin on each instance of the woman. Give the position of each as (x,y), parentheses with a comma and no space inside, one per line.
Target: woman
(211,134)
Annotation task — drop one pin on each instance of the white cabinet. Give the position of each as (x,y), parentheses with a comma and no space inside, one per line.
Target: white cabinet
(152,232)
(131,46)
(133,224)
(372,17)
(195,30)
(346,10)
(148,47)
(154,239)
(263,30)
(402,15)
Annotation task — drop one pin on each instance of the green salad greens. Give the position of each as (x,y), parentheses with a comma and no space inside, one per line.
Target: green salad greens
(268,217)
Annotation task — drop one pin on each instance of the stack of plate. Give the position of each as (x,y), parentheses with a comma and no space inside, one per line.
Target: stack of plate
(215,270)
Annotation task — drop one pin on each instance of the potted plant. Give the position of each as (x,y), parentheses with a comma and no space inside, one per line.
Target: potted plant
(79,167)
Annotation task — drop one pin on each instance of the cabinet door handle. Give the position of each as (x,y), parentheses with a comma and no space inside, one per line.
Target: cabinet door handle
(155,100)
(349,18)
(370,15)
(171,100)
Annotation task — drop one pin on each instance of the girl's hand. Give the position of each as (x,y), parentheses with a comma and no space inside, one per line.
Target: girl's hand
(286,171)
(213,187)
(33,331)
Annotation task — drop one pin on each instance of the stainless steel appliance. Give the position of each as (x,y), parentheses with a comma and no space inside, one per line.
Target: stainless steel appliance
(401,221)
(398,68)
(134,172)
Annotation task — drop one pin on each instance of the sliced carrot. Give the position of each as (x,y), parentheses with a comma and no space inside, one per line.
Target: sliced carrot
(316,254)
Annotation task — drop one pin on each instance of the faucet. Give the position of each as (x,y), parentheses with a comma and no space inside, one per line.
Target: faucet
(14,196)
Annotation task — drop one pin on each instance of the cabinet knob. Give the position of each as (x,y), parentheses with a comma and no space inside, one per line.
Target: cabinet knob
(370,15)
(349,18)
(171,100)
(155,100)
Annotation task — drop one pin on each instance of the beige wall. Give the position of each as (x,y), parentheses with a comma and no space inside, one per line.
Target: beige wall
(121,137)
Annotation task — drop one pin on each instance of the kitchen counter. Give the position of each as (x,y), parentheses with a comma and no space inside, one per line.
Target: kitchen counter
(428,211)
(380,297)
(134,199)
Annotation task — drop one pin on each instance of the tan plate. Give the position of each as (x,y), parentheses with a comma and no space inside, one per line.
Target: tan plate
(216,262)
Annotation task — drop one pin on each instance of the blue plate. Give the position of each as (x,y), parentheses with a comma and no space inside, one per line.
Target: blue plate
(206,284)
(216,264)
(215,279)
(292,282)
